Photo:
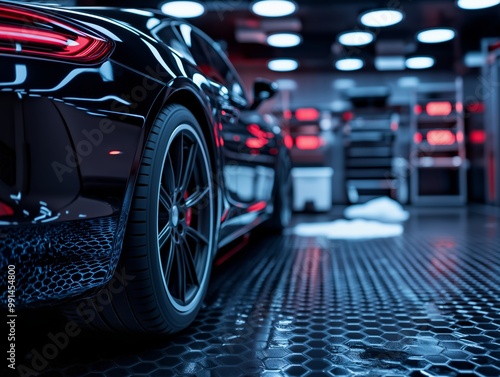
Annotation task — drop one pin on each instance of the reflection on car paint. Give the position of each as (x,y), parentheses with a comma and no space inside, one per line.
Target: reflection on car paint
(75,72)
(20,78)
(152,23)
(102,99)
(140,12)
(159,58)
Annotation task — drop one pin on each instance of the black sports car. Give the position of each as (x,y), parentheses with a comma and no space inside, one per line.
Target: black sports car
(129,153)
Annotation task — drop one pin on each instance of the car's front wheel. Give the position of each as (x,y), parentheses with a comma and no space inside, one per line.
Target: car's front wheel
(171,233)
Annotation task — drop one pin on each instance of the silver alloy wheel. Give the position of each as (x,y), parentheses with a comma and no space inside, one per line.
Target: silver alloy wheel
(186,217)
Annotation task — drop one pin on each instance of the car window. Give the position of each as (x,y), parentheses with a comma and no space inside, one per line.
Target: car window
(172,36)
(220,68)
(206,54)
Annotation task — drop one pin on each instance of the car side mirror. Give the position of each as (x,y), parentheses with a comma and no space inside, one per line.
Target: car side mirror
(262,91)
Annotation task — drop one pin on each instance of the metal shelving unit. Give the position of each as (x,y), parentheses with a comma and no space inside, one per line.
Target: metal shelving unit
(437,156)
(369,139)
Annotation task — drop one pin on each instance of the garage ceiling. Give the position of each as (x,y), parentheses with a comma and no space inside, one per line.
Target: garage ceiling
(321,21)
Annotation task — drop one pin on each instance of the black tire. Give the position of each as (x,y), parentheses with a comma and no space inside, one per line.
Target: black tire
(283,199)
(171,234)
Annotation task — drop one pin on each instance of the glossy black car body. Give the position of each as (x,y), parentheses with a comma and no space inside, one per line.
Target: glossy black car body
(73,133)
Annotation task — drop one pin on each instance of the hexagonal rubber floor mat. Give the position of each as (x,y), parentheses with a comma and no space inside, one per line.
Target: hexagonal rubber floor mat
(426,303)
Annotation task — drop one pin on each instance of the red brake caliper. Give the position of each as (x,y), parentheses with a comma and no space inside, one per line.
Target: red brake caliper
(189,212)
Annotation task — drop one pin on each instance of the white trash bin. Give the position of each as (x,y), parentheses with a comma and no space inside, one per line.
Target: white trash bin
(312,187)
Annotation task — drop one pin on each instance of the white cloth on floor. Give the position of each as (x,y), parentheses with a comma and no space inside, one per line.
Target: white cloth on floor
(348,229)
(381,209)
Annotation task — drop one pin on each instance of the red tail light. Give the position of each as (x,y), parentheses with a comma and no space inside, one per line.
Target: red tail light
(29,32)
(308,143)
(5,210)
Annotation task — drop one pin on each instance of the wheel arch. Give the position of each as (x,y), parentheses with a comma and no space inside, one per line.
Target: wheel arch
(183,91)
(192,102)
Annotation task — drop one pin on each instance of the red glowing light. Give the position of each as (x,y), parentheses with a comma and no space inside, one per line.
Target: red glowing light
(236,138)
(477,137)
(288,141)
(347,116)
(417,138)
(259,206)
(273,151)
(32,33)
(441,137)
(306,114)
(477,107)
(224,216)
(260,139)
(256,131)
(459,107)
(394,126)
(233,251)
(308,143)
(287,114)
(255,143)
(5,210)
(494,46)
(417,109)
(115,153)
(189,212)
(439,108)
(492,177)
(460,137)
